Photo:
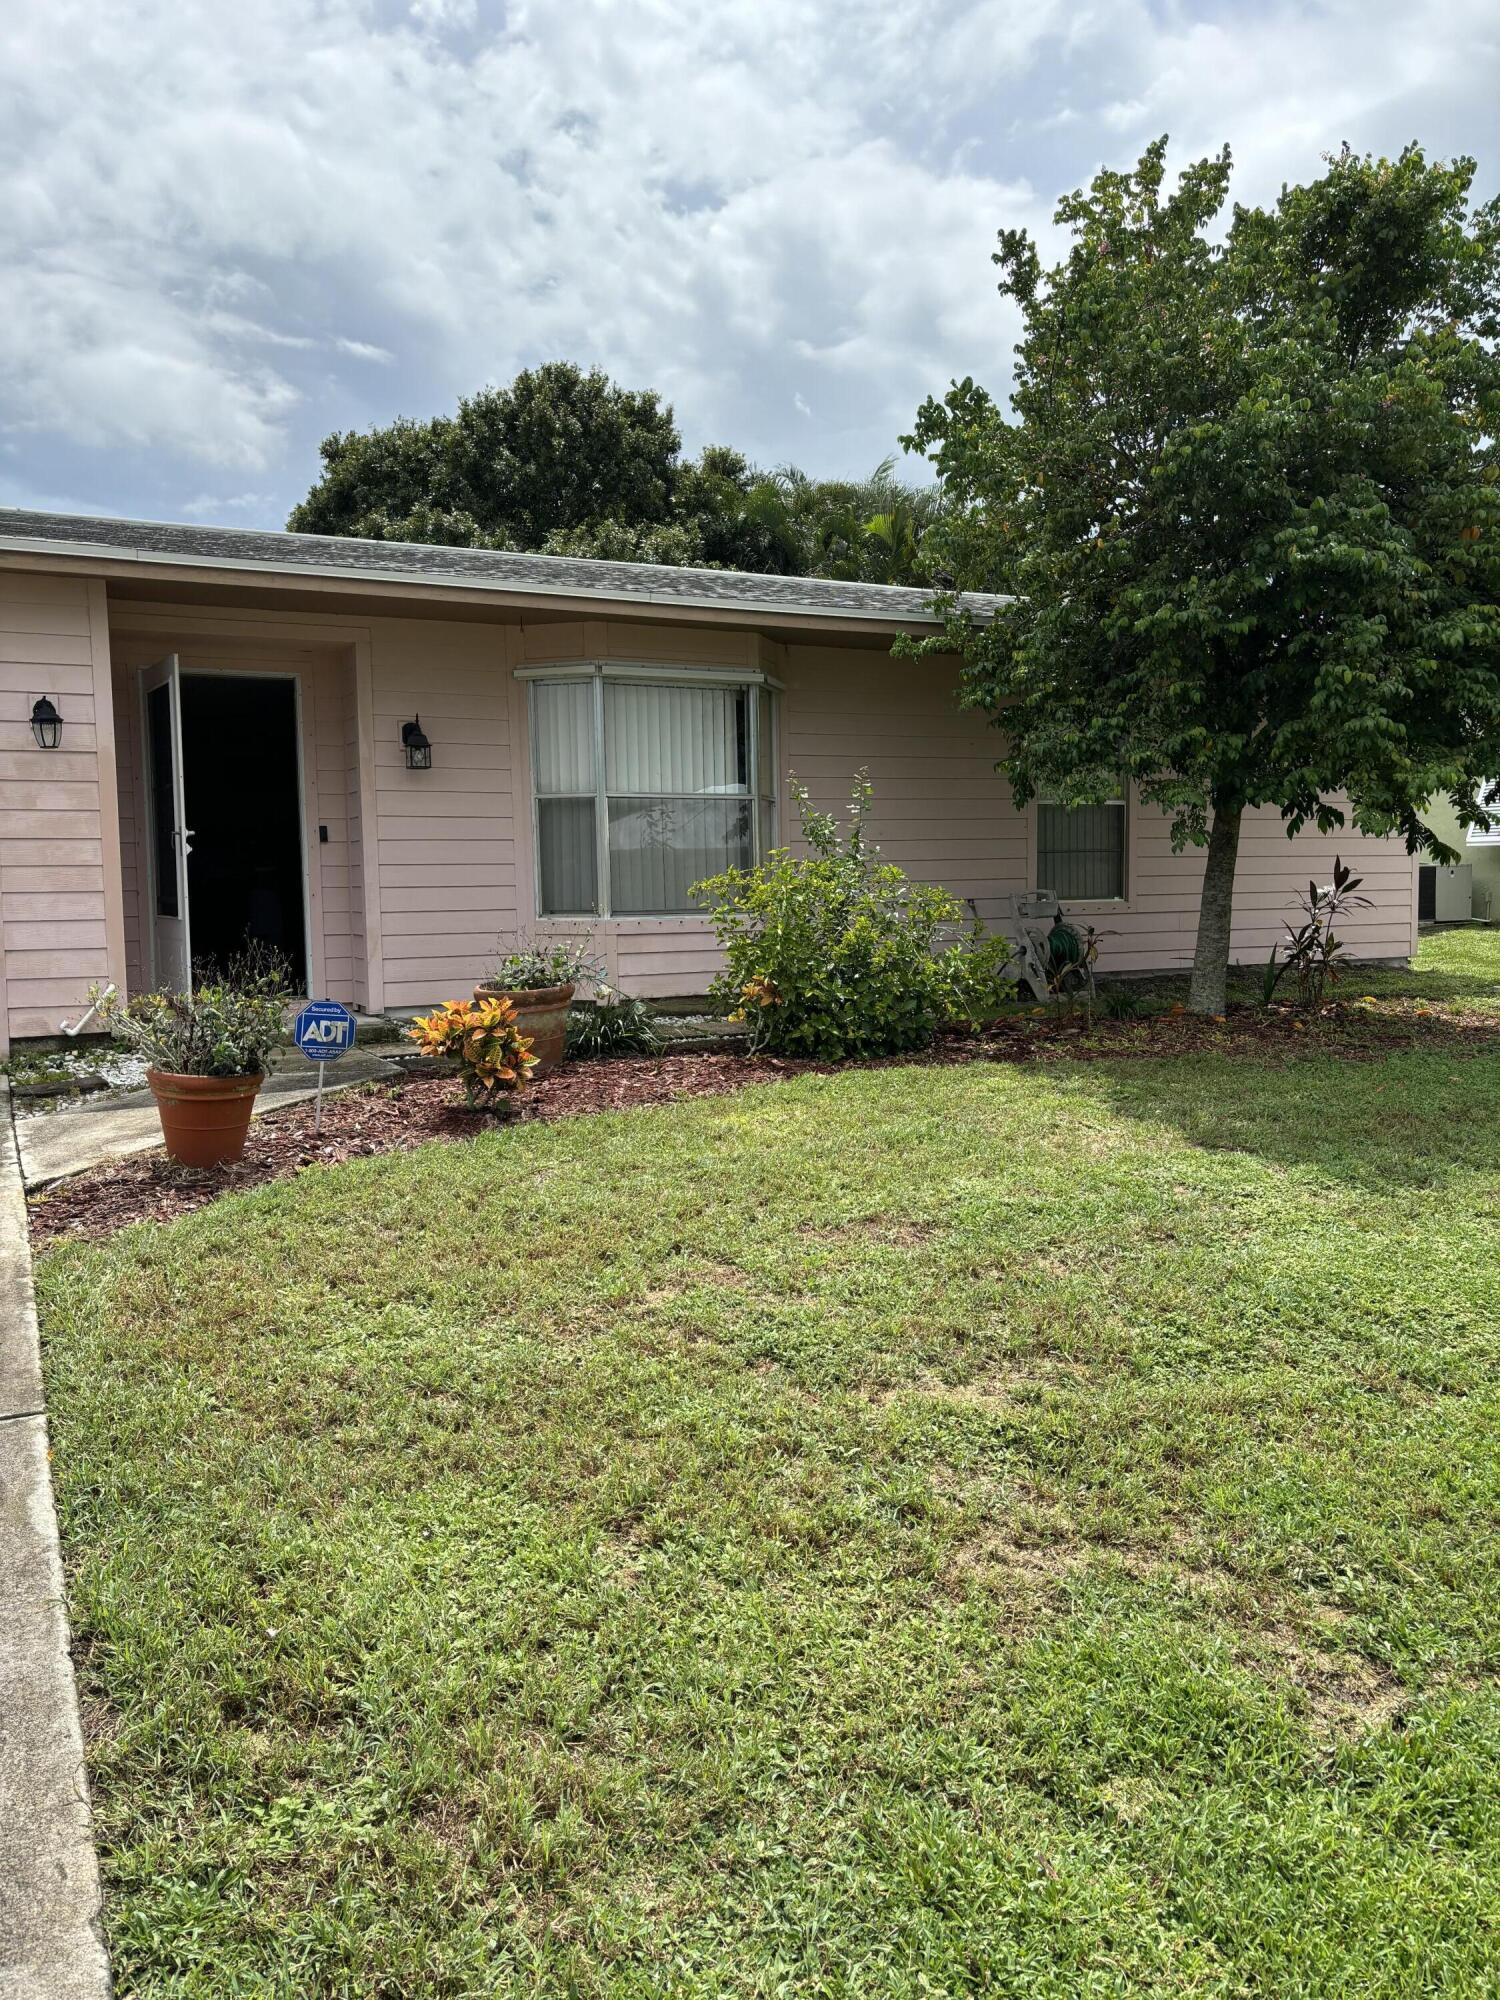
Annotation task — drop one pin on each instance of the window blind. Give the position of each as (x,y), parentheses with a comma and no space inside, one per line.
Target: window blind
(674,791)
(1081,851)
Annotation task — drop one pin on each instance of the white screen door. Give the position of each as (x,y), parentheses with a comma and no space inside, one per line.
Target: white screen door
(169,838)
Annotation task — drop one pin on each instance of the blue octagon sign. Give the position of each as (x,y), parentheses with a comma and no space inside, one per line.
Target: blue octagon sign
(324,1029)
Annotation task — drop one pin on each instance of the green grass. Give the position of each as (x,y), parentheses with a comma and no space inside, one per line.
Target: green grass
(929,1531)
(1456,967)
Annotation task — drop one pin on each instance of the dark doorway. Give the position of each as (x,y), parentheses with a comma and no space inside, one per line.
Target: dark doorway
(240,774)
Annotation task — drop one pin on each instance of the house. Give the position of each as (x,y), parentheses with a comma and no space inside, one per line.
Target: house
(1469,888)
(380,756)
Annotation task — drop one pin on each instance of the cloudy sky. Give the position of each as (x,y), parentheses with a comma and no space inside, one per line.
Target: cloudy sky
(226,230)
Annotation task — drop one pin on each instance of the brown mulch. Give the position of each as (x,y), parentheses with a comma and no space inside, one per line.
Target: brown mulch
(410,1111)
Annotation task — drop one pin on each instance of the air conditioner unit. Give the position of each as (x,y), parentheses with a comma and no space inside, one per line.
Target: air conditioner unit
(1455,893)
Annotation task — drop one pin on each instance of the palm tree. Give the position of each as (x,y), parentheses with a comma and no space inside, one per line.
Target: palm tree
(866,530)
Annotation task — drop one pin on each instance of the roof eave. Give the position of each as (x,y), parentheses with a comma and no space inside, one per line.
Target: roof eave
(109,558)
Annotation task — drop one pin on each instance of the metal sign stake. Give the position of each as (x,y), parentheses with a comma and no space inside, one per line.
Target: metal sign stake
(324,1031)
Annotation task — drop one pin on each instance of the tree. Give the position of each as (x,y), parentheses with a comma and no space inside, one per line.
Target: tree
(1246,501)
(868,530)
(555,452)
(569,463)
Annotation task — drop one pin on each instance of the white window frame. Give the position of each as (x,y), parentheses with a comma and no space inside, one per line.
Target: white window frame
(1127,832)
(757,687)
(1489,797)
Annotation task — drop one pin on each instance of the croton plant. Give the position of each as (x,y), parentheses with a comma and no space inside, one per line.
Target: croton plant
(483,1039)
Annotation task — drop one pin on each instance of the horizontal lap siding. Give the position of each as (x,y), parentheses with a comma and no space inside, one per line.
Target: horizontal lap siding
(941,810)
(445,838)
(1159,929)
(59,913)
(943,813)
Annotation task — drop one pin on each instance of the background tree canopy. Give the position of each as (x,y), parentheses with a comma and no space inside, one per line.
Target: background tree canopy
(1246,499)
(566,462)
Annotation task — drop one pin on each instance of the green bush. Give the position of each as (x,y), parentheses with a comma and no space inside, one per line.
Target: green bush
(612,1024)
(839,954)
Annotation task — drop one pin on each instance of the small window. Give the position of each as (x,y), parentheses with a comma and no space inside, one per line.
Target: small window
(1081,851)
(644,788)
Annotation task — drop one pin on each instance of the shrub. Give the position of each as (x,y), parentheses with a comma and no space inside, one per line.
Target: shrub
(532,962)
(224,1027)
(837,954)
(612,1025)
(1314,954)
(482,1038)
(980,978)
(1119,1003)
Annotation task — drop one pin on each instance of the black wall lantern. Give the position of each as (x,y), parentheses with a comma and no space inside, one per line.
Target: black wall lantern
(46,723)
(418,749)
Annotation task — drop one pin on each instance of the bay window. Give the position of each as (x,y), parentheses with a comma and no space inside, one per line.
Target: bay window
(1080,851)
(645,784)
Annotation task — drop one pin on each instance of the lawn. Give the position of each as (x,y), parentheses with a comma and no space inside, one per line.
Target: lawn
(920,1531)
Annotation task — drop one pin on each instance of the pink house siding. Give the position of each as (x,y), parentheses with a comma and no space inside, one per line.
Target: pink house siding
(421,871)
(445,838)
(60,899)
(941,811)
(944,813)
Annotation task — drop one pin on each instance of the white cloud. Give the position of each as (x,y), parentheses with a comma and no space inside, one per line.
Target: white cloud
(210,506)
(213,221)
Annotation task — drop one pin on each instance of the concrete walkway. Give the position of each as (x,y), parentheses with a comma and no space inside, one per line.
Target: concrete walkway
(57,1144)
(51,1941)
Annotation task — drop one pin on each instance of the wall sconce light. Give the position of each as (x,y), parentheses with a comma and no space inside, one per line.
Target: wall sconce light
(418,749)
(46,723)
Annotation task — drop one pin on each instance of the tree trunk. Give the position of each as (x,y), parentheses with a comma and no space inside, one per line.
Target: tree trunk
(1206,994)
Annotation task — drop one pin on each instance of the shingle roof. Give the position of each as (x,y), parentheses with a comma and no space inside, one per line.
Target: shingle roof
(475,569)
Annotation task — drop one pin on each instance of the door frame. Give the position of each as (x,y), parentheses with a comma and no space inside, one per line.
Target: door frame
(311,943)
(170,667)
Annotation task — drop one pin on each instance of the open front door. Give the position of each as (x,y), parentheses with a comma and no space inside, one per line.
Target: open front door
(170,836)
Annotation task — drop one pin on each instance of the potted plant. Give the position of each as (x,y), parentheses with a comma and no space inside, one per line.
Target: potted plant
(539,976)
(205,1055)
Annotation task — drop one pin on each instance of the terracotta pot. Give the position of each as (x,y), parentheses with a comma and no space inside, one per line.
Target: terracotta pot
(204,1119)
(541,1013)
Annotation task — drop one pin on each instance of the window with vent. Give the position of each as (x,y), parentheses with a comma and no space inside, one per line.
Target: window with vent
(1081,851)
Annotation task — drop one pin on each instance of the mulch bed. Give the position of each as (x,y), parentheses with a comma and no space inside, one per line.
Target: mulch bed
(410,1111)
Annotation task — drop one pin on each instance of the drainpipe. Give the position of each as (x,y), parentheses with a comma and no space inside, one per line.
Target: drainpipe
(83,1020)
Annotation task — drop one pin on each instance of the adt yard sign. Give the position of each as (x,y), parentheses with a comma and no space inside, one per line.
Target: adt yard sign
(324,1029)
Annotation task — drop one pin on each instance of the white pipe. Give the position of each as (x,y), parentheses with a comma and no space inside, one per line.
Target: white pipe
(83,1020)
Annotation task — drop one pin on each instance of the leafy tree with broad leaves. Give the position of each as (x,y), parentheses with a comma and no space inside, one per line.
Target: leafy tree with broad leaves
(569,463)
(556,451)
(1245,500)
